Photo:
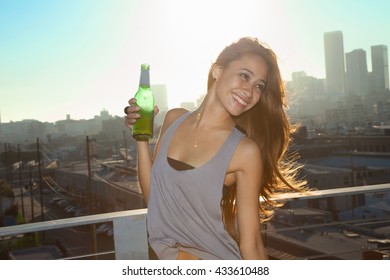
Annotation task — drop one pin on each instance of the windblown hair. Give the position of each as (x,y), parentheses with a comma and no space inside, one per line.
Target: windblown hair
(268,125)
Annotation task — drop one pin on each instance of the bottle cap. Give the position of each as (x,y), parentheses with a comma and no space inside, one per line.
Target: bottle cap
(145,66)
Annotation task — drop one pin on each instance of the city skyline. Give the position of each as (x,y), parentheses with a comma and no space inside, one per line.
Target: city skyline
(82,57)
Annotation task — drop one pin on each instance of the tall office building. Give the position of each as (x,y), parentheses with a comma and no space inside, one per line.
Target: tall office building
(160,96)
(334,63)
(297,78)
(161,100)
(356,74)
(380,68)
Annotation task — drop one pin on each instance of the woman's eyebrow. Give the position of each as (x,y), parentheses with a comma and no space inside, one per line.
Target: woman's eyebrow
(251,72)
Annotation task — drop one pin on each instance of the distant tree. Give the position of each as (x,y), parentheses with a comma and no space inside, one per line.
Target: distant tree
(5,189)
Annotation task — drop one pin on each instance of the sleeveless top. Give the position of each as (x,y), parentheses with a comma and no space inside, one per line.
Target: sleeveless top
(184,212)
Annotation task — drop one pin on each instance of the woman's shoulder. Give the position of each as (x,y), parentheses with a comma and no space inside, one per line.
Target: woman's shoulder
(248,145)
(171,116)
(247,151)
(174,113)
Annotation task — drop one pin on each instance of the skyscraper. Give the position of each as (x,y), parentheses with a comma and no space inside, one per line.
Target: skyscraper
(380,67)
(161,100)
(356,74)
(161,96)
(334,63)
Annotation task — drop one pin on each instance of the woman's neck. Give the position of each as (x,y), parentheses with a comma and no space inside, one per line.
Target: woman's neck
(212,114)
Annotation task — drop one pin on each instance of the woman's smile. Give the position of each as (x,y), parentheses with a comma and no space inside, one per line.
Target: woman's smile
(240,100)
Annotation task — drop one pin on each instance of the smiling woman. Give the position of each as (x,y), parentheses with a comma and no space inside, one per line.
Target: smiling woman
(248,78)
(211,166)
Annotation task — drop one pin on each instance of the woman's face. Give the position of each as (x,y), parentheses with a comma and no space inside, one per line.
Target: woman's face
(240,85)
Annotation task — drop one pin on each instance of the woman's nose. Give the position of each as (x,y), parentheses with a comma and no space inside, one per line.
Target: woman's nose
(248,91)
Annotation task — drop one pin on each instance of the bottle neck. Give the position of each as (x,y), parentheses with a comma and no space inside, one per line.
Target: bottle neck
(144,80)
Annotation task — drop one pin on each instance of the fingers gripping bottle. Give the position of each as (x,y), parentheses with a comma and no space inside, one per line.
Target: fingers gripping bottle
(143,127)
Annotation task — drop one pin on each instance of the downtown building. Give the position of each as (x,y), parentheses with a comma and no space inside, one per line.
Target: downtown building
(351,97)
(334,63)
(380,68)
(356,74)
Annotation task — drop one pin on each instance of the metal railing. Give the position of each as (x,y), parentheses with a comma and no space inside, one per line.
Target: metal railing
(129,227)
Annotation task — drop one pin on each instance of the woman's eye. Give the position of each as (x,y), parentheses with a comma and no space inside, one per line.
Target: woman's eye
(245,76)
(260,87)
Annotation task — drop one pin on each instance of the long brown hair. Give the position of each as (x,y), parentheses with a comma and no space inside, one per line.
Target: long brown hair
(268,125)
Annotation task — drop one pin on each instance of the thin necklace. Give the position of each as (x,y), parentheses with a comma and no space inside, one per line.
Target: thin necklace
(197,118)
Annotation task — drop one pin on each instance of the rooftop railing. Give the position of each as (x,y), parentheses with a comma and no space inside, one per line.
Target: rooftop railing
(129,227)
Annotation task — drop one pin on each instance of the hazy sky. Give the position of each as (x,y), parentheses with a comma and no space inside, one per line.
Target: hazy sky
(78,57)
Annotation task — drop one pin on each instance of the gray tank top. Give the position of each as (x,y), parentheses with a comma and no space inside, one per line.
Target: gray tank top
(184,206)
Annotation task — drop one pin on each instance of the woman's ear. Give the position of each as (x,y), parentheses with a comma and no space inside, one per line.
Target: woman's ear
(216,72)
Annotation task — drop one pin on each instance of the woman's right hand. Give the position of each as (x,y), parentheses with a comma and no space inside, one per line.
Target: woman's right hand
(132,114)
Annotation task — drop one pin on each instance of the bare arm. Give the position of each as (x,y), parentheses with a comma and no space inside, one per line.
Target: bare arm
(144,164)
(145,158)
(248,190)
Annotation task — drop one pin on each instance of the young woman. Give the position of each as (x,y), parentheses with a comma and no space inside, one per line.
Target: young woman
(211,166)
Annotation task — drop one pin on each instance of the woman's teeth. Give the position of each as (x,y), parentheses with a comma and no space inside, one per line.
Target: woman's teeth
(239,100)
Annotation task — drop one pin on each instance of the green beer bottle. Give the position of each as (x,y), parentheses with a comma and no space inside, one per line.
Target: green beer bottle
(143,127)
